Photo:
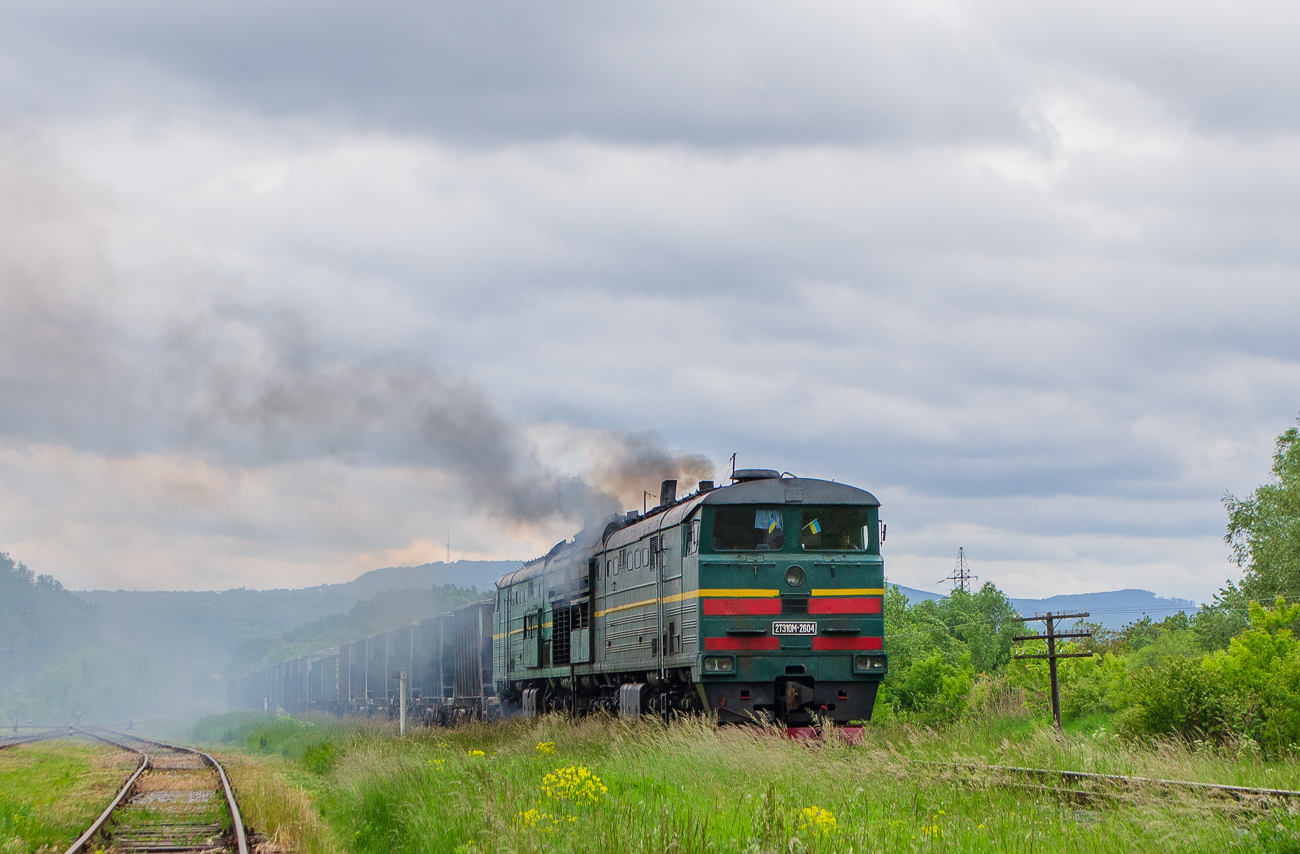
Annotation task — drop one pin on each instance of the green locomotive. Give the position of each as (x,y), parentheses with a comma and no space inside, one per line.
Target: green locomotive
(759,601)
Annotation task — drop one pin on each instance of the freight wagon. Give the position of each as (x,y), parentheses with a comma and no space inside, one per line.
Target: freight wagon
(447,658)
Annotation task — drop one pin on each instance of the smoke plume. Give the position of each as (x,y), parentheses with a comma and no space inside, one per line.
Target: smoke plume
(268,393)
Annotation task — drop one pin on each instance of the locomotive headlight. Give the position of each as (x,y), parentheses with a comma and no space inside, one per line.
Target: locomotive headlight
(794,576)
(719,664)
(870,664)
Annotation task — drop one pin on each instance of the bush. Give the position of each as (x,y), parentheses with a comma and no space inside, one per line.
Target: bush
(1177,697)
(1092,685)
(1251,689)
(933,691)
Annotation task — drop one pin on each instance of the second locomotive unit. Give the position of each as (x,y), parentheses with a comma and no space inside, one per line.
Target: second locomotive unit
(758,601)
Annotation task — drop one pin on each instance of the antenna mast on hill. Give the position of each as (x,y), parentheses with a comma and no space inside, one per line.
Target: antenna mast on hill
(961,575)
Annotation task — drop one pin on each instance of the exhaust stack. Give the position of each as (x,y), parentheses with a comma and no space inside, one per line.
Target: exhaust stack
(667,493)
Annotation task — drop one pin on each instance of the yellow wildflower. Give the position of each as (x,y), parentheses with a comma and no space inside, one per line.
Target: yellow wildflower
(473,753)
(546,748)
(575,783)
(817,821)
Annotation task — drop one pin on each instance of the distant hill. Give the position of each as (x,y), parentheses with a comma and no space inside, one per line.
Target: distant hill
(223,619)
(462,573)
(195,632)
(1112,609)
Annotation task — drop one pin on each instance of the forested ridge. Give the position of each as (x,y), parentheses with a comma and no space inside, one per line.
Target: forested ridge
(40,622)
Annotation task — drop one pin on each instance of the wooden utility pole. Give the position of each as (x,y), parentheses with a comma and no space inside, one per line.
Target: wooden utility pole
(1052,637)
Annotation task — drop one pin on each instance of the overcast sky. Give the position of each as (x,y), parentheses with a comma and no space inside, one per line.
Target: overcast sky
(291,290)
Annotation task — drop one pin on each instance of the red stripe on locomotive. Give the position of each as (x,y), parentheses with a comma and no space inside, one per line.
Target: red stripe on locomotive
(825,643)
(737,607)
(741,643)
(843,605)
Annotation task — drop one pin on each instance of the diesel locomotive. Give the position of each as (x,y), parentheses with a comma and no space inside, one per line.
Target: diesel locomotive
(760,601)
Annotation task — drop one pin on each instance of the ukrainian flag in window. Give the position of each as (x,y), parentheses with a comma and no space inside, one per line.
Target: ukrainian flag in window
(815,526)
(768,520)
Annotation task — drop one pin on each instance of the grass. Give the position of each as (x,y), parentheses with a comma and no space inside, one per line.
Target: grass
(51,791)
(692,787)
(278,799)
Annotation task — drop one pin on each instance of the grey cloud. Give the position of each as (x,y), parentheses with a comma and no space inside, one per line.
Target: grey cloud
(857,288)
(55,293)
(251,385)
(729,74)
(1222,68)
(723,74)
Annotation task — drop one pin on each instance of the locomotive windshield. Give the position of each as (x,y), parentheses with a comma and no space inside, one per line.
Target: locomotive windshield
(748,529)
(833,529)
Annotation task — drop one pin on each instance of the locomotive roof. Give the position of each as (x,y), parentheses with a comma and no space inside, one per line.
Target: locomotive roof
(765,490)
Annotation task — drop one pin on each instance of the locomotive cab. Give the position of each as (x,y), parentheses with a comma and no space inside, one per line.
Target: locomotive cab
(791,586)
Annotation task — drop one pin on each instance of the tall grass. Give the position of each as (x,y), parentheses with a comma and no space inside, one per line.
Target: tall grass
(694,787)
(273,801)
(51,791)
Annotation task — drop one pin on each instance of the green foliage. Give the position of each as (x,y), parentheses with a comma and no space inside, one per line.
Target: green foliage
(1094,685)
(1264,528)
(982,623)
(1260,677)
(937,647)
(40,623)
(1178,697)
(1170,643)
(1251,690)
(934,691)
(1216,624)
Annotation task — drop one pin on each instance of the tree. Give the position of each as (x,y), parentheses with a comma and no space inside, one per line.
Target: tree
(1264,528)
(40,622)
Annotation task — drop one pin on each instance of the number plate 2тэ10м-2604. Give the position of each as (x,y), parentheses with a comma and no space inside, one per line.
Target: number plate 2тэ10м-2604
(793,628)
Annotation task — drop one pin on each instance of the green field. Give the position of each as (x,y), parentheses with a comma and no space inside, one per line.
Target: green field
(606,785)
(51,791)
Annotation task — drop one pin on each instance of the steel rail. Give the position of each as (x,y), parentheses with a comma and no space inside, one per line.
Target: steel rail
(241,837)
(14,741)
(99,823)
(1236,791)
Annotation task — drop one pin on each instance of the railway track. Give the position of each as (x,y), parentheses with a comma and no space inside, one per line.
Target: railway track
(177,800)
(1086,786)
(29,738)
